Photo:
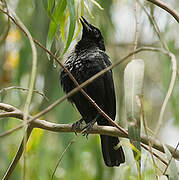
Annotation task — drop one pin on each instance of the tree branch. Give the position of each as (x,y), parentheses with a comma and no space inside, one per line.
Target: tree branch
(24,89)
(49,108)
(79,87)
(18,154)
(165,6)
(36,123)
(169,92)
(174,70)
(104,130)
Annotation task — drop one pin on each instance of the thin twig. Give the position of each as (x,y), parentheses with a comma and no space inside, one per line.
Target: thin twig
(79,87)
(24,89)
(88,81)
(165,6)
(170,159)
(18,154)
(95,130)
(6,31)
(34,64)
(104,130)
(136,27)
(68,146)
(138,162)
(49,108)
(156,28)
(173,77)
(71,77)
(31,82)
(169,92)
(146,132)
(174,70)
(91,100)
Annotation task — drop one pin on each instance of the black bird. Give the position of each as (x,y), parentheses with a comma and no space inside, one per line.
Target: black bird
(88,58)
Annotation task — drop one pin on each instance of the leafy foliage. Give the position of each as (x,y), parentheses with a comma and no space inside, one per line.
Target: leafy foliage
(55,23)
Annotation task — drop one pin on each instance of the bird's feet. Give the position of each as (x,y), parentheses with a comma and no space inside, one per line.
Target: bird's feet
(78,125)
(88,127)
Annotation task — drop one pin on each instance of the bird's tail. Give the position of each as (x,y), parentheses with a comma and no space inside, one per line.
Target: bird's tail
(112,155)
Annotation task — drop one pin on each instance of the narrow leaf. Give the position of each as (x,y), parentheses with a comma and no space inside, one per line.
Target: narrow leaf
(56,19)
(59,11)
(133,85)
(82,8)
(53,27)
(97,4)
(88,10)
(60,17)
(48,5)
(62,26)
(71,9)
(78,30)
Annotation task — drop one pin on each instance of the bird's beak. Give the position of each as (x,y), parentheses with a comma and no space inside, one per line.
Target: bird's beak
(86,25)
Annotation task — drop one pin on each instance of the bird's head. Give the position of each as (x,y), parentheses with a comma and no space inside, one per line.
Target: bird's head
(93,34)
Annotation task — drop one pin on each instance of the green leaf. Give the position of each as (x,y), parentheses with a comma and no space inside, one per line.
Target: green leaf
(48,5)
(78,30)
(59,11)
(53,27)
(133,85)
(60,17)
(56,18)
(97,4)
(82,8)
(62,28)
(71,9)
(88,10)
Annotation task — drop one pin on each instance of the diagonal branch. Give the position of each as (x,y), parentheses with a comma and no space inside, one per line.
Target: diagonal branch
(49,108)
(165,6)
(80,87)
(104,130)
(52,126)
(18,154)
(173,75)
(70,76)
(169,92)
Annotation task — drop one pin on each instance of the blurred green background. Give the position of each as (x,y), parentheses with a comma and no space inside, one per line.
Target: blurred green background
(84,159)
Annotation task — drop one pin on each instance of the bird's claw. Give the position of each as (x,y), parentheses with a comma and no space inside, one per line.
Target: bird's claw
(77,126)
(87,128)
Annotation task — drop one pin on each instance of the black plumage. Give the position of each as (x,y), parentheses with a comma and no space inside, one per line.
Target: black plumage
(88,58)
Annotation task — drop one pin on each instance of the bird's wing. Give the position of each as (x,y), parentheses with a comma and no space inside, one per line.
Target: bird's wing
(103,87)
(110,102)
